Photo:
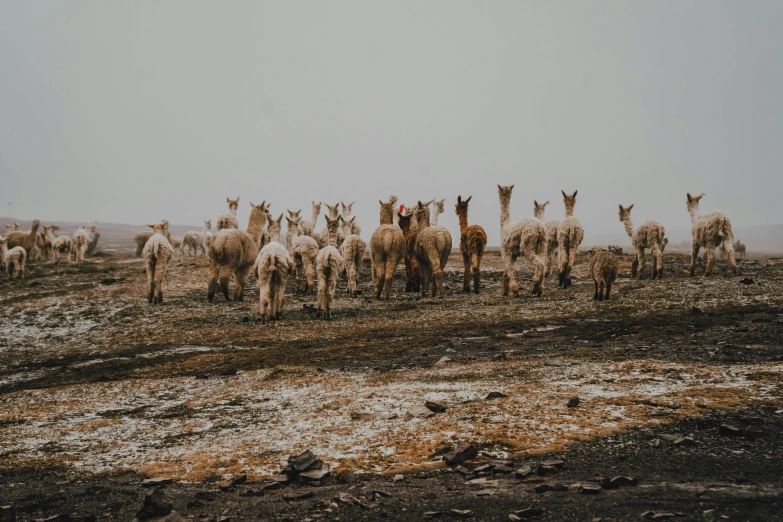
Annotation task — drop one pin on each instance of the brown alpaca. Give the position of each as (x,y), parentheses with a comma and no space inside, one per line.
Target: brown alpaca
(234,252)
(602,268)
(27,240)
(739,248)
(412,272)
(433,246)
(472,244)
(387,248)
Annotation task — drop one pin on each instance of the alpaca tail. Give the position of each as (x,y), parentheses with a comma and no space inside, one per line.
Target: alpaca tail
(725,231)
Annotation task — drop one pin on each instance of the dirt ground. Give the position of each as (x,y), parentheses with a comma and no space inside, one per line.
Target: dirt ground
(99,390)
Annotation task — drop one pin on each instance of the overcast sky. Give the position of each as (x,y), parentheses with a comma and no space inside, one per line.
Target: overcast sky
(135,111)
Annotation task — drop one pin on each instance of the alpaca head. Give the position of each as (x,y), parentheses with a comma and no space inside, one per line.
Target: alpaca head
(332,225)
(625,212)
(347,209)
(570,202)
(35,225)
(461,208)
(404,221)
(316,208)
(393,199)
(422,216)
(159,228)
(348,224)
(693,201)
(293,226)
(54,228)
(539,209)
(233,204)
(295,213)
(260,211)
(505,193)
(387,213)
(438,206)
(8,228)
(274,225)
(334,210)
(208,224)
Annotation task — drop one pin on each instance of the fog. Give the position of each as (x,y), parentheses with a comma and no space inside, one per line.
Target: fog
(136,111)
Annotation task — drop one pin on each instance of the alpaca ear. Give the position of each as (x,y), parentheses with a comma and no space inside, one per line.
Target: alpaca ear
(468,200)
(574,193)
(280,219)
(420,204)
(228,200)
(690,198)
(535,203)
(381,202)
(251,204)
(545,204)
(632,204)
(564,194)
(151,226)
(511,187)
(621,208)
(459,199)
(237,200)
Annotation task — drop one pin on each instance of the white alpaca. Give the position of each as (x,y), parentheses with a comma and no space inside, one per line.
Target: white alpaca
(709,231)
(61,246)
(329,264)
(569,236)
(649,235)
(273,265)
(353,252)
(433,246)
(526,238)
(229,220)
(157,254)
(437,209)
(193,241)
(304,250)
(387,249)
(81,240)
(12,260)
(551,226)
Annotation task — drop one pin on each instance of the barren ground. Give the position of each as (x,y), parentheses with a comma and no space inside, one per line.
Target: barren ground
(99,390)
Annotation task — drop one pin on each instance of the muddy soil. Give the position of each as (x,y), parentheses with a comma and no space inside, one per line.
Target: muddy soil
(99,390)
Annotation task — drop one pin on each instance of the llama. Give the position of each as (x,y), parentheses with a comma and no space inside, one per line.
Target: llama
(329,264)
(602,267)
(94,237)
(157,254)
(27,240)
(81,238)
(539,210)
(353,252)
(12,260)
(234,252)
(433,247)
(709,231)
(307,226)
(437,209)
(141,239)
(193,241)
(649,235)
(61,246)
(387,247)
(739,248)
(229,220)
(569,236)
(272,267)
(526,238)
(472,245)
(412,271)
(304,250)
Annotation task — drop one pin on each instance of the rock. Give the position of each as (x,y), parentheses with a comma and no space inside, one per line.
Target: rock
(524,471)
(529,512)
(232,482)
(654,443)
(695,310)
(461,512)
(362,415)
(315,475)
(461,454)
(7,514)
(550,486)
(437,407)
(512,516)
(483,482)
(443,360)
(502,468)
(298,495)
(271,486)
(588,488)
(55,518)
(684,441)
(573,402)
(346,476)
(302,461)
(730,431)
(451,350)
(229,371)
(620,482)
(747,281)
(422,412)
(109,280)
(397,478)
(630,287)
(650,515)
(381,493)
(283,478)
(171,517)
(546,470)
(161,481)
(483,468)
(495,395)
(432,514)
(155,505)
(553,462)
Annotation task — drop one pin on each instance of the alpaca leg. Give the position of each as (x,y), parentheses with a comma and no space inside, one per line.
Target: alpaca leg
(728,249)
(595,295)
(476,267)
(225,278)
(321,293)
(263,308)
(571,263)
(641,262)
(709,261)
(437,280)
(332,282)
(467,271)
(379,279)
(510,277)
(388,278)
(426,277)
(539,265)
(214,273)
(280,298)
(658,258)
(408,275)
(608,290)
(240,279)
(310,277)
(159,272)
(601,290)
(694,257)
(563,255)
(150,280)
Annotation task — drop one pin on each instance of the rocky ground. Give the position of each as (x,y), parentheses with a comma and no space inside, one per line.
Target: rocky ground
(674,386)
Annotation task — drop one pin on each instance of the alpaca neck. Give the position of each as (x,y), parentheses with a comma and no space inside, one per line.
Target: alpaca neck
(50,236)
(628,225)
(34,230)
(255,226)
(463,222)
(232,211)
(386,216)
(274,236)
(316,213)
(422,220)
(505,212)
(434,218)
(694,212)
(396,219)
(292,233)
(539,213)
(569,209)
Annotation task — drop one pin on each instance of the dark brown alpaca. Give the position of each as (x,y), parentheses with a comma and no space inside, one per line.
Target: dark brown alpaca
(472,244)
(412,272)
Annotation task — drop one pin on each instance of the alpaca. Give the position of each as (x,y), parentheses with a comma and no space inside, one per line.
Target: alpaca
(412,271)
(272,267)
(61,246)
(472,245)
(81,238)
(353,252)
(739,248)
(45,244)
(329,264)
(141,239)
(229,220)
(354,228)
(157,254)
(602,267)
(176,243)
(94,237)
(304,250)
(12,260)
(271,230)
(395,217)
(27,240)
(307,226)
(8,228)
(709,231)
(649,235)
(437,209)
(193,241)
(551,226)
(234,252)
(569,236)
(17,227)
(387,248)
(334,213)
(433,247)
(526,238)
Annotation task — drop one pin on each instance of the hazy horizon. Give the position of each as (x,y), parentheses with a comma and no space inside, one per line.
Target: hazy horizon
(133,112)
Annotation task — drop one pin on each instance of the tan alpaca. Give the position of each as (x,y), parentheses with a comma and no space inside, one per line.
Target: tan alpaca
(307,226)
(45,240)
(387,249)
(353,252)
(551,226)
(569,236)
(234,252)
(141,239)
(229,220)
(267,234)
(354,228)
(602,267)
(433,247)
(81,240)
(25,239)
(157,254)
(61,246)
(304,250)
(328,265)
(12,260)
(472,244)
(649,235)
(709,231)
(272,267)
(333,213)
(193,241)
(17,227)
(94,237)
(526,238)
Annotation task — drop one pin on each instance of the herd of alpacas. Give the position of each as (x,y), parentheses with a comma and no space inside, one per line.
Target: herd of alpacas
(408,234)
